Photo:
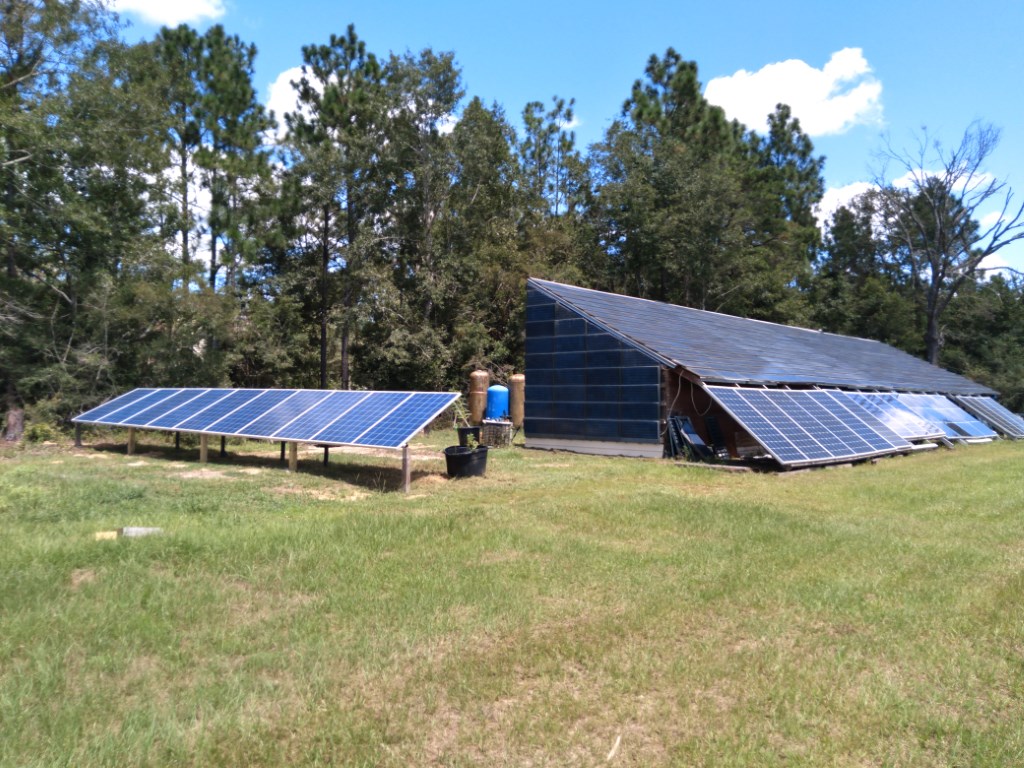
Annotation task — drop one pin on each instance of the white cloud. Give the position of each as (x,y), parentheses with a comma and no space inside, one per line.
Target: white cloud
(173,13)
(282,98)
(836,197)
(827,101)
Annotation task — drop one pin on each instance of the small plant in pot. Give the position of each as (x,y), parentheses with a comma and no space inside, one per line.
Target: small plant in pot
(468,459)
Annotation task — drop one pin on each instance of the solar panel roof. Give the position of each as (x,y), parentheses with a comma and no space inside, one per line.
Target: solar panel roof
(372,419)
(722,348)
(807,427)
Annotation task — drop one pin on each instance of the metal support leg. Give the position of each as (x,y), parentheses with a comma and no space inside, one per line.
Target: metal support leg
(327,452)
(131,441)
(293,457)
(282,452)
(223,446)
(204,448)
(78,435)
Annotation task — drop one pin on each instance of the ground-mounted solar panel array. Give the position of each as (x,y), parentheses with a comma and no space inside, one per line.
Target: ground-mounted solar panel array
(805,427)
(324,417)
(991,412)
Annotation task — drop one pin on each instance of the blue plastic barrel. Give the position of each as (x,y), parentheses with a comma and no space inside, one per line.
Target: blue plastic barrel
(497,402)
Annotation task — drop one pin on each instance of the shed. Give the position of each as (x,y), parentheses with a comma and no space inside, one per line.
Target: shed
(612,374)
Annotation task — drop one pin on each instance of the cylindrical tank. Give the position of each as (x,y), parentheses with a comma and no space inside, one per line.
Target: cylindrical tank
(497,402)
(478,381)
(516,399)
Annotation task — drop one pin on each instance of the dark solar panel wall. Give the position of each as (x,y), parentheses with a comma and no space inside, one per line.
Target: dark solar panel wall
(582,383)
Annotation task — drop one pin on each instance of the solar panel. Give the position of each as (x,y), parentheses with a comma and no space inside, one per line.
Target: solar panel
(377,419)
(904,422)
(208,415)
(954,421)
(104,410)
(994,414)
(802,427)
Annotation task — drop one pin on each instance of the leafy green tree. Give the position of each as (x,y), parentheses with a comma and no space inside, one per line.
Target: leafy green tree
(984,339)
(334,139)
(857,290)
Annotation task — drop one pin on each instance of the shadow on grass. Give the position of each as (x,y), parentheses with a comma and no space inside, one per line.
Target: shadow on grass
(357,469)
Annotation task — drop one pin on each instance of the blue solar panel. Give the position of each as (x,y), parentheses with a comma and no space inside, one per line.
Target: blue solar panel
(188,409)
(943,413)
(281,415)
(994,414)
(167,405)
(352,425)
(236,421)
(218,409)
(130,414)
(406,420)
(100,412)
(887,409)
(379,419)
(808,426)
(323,414)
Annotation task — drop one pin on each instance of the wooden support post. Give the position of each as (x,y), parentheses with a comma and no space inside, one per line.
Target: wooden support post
(282,451)
(131,441)
(327,452)
(293,457)
(223,446)
(78,435)
(204,448)
(406,469)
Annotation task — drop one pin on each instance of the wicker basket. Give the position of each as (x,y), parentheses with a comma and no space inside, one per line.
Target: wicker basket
(496,433)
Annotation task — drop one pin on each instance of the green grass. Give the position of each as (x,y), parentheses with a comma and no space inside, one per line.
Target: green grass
(866,616)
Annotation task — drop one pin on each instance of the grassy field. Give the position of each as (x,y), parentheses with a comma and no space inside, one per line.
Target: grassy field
(561,611)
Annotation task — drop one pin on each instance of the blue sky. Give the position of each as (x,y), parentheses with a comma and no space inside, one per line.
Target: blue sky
(854,72)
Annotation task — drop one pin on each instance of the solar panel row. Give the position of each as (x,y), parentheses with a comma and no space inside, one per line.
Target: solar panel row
(901,420)
(987,409)
(939,410)
(374,419)
(808,426)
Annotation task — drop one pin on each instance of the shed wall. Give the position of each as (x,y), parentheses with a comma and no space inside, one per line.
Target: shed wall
(583,383)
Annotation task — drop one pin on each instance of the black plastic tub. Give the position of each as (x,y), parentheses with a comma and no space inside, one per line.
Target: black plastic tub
(464,461)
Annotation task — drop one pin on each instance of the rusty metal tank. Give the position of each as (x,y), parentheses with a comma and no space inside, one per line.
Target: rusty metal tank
(479,381)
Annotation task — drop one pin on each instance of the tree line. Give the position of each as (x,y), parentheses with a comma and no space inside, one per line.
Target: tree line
(159,226)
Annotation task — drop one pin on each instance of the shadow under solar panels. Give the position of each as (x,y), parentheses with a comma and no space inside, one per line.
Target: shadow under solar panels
(805,427)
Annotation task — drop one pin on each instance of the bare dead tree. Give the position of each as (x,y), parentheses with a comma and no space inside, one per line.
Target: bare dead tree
(946,215)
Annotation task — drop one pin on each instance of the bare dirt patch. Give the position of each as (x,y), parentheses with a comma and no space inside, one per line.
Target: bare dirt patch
(82,576)
(205,474)
(137,464)
(320,494)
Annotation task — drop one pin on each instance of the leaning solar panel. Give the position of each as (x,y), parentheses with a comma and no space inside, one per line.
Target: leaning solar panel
(904,422)
(804,427)
(378,419)
(994,414)
(944,413)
